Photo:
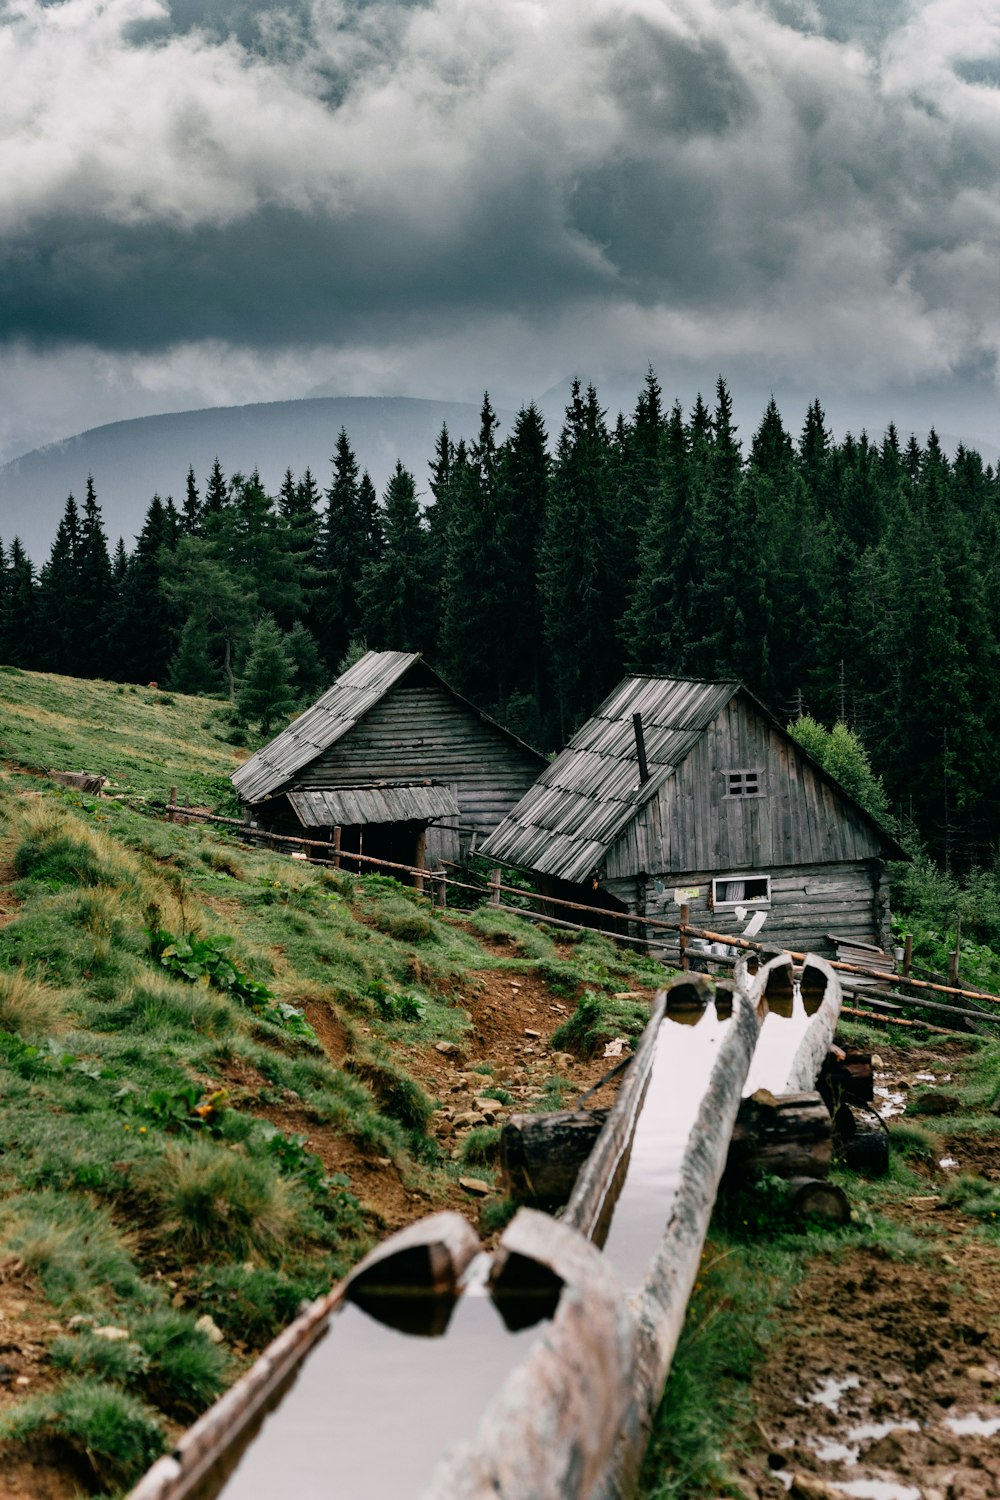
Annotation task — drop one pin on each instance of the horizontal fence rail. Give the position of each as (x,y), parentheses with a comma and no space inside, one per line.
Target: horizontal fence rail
(338,858)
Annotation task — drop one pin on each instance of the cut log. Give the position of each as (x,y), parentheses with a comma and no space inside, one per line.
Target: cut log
(541,1155)
(786,1136)
(847,1077)
(862,1140)
(810,1199)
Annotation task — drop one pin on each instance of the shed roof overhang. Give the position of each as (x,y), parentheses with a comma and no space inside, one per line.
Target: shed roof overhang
(348,806)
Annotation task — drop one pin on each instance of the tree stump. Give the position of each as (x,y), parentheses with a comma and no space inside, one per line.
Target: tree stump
(862,1140)
(541,1155)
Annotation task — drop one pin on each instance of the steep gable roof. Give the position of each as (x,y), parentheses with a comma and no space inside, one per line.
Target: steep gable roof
(357,691)
(567,821)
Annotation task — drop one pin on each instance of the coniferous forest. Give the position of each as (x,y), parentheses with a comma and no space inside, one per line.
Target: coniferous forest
(856,581)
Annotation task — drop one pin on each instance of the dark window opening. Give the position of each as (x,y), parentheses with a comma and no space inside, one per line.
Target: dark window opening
(740,890)
(743,784)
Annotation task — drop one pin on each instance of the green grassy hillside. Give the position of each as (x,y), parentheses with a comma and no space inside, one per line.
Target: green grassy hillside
(219,1078)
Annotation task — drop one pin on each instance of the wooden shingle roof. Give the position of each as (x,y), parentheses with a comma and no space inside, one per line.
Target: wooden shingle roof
(568,820)
(330,717)
(565,823)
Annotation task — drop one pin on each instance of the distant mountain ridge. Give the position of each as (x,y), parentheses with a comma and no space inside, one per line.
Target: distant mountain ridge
(133,460)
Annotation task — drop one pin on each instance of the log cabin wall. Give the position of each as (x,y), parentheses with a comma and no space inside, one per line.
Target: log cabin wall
(821,856)
(806,904)
(421,731)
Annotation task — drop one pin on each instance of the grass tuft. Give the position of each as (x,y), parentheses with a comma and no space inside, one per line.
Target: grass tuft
(110,1433)
(207,1197)
(28,1007)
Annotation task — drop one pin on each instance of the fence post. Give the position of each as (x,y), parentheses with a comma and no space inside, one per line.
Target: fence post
(907,954)
(494,887)
(418,879)
(172,805)
(953,956)
(336,848)
(440,887)
(682,940)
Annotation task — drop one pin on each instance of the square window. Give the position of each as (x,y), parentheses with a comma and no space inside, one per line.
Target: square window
(743,783)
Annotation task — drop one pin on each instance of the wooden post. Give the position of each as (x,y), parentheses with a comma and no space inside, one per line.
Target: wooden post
(172,805)
(494,887)
(953,956)
(336,848)
(907,954)
(418,880)
(440,887)
(682,940)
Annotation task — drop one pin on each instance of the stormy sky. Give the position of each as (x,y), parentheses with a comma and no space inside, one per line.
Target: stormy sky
(215,201)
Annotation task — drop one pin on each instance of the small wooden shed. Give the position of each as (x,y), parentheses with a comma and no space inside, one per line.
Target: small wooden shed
(406,769)
(689,792)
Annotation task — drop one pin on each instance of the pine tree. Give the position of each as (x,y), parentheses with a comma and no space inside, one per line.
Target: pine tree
(94,600)
(264,693)
(191,509)
(147,619)
(578,614)
(475,648)
(61,626)
(396,594)
(216,499)
(665,602)
(343,553)
(19,625)
(310,675)
(436,513)
(191,668)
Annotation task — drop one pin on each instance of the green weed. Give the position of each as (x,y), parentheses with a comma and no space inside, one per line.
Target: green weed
(481,1147)
(596,1021)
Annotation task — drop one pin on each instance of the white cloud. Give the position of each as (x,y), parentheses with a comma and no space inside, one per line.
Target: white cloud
(702,180)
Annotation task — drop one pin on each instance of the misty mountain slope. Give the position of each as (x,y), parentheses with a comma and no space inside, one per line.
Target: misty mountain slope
(131,461)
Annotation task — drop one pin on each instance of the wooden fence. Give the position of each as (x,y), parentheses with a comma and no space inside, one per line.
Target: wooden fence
(328,852)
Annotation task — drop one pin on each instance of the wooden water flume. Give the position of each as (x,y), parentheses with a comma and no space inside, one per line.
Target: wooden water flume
(573,1320)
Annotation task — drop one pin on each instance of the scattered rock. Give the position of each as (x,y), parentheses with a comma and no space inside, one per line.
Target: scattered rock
(207,1325)
(112,1334)
(933,1102)
(563,1061)
(887,1453)
(447,1049)
(805,1487)
(489,1107)
(468,1118)
(528,1032)
(476,1186)
(980,1373)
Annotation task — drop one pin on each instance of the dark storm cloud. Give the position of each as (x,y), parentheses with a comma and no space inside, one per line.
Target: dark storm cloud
(806,185)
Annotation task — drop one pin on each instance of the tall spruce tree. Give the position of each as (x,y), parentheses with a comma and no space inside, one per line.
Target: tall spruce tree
(95,597)
(61,625)
(397,596)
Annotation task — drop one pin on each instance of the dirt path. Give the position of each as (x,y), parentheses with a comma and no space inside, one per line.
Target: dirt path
(887,1385)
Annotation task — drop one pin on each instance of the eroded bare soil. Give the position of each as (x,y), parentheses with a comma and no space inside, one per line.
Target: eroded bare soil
(887,1383)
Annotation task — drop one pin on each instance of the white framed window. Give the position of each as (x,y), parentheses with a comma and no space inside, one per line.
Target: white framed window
(744,783)
(741,890)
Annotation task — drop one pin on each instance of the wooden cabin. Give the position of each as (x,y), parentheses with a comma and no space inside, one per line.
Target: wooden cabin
(401,766)
(685,792)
